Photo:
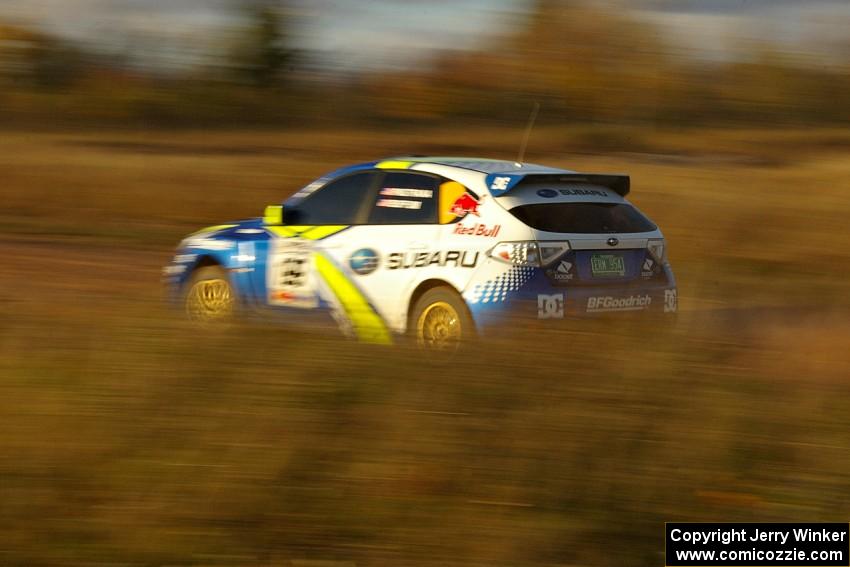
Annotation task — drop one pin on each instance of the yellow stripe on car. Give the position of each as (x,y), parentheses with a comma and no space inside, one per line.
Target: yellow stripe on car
(320,232)
(308,232)
(368,325)
(282,231)
(394,164)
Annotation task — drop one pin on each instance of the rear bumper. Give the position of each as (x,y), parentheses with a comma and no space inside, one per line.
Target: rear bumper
(540,301)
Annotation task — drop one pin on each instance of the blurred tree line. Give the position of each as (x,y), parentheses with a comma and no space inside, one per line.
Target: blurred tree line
(581,63)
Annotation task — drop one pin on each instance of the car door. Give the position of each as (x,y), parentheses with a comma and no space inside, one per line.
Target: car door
(396,247)
(292,277)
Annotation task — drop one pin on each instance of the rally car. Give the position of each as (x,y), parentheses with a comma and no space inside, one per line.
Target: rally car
(439,249)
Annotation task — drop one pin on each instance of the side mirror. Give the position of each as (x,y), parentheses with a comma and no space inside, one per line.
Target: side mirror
(273,215)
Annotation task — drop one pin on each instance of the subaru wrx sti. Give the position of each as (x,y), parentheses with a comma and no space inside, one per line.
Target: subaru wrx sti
(440,249)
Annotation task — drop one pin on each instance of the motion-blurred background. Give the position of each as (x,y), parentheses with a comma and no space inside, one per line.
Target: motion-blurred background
(127,438)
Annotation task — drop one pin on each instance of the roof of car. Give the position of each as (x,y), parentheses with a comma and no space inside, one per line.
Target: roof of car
(483,165)
(502,175)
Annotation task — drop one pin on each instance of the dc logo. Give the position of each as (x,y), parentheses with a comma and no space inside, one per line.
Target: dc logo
(670,301)
(364,261)
(550,306)
(500,183)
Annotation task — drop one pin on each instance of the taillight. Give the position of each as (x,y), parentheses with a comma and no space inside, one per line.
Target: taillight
(552,250)
(656,248)
(528,253)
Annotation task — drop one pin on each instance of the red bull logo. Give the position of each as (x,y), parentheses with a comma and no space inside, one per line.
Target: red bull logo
(477,230)
(464,205)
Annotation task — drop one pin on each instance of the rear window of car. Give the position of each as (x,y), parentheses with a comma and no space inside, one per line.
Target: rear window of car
(583,218)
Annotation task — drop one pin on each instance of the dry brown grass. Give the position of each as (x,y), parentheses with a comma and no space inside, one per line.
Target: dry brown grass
(127,438)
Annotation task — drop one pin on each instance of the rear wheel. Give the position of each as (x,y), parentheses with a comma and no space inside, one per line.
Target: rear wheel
(440,321)
(209,296)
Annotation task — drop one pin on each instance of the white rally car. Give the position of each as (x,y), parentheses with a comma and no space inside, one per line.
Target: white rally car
(441,249)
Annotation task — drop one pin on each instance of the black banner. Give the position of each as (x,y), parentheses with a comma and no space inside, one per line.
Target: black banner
(757,544)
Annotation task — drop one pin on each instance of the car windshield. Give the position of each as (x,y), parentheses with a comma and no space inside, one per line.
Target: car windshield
(583,218)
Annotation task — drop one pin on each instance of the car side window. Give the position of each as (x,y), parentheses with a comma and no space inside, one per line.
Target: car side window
(339,202)
(405,198)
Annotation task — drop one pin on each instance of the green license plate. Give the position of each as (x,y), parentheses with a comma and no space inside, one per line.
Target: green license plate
(607,266)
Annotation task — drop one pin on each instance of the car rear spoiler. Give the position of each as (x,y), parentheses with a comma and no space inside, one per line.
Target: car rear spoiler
(500,184)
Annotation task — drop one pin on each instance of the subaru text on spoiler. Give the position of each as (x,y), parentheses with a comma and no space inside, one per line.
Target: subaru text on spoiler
(441,249)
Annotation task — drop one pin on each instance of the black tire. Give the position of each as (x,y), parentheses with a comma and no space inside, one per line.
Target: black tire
(440,321)
(209,298)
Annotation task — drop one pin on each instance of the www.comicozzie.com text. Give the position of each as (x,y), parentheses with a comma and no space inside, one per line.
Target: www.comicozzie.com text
(756,534)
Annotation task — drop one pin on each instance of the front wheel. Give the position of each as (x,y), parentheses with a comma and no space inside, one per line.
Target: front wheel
(209,296)
(441,321)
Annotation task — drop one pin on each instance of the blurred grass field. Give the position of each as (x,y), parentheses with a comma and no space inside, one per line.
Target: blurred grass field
(130,439)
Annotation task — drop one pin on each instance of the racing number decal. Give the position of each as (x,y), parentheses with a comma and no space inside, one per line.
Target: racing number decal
(289,280)
(291,270)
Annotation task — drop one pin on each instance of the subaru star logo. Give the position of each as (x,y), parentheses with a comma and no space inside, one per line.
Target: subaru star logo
(547,193)
(364,261)
(613,241)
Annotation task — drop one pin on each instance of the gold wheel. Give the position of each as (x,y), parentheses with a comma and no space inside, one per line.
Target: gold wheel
(439,327)
(209,300)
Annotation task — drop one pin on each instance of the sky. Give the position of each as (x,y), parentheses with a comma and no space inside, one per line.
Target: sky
(361,34)
(812,29)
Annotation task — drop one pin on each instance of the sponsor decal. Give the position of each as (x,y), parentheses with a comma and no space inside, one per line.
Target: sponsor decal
(245,252)
(364,261)
(291,269)
(310,189)
(550,306)
(402,192)
(646,269)
(477,230)
(500,183)
(210,243)
(184,258)
(596,192)
(608,303)
(287,297)
(547,193)
(456,201)
(288,276)
(456,258)
(399,204)
(464,205)
(671,301)
(563,272)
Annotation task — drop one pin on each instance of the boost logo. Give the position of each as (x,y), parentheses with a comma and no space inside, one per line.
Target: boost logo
(364,261)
